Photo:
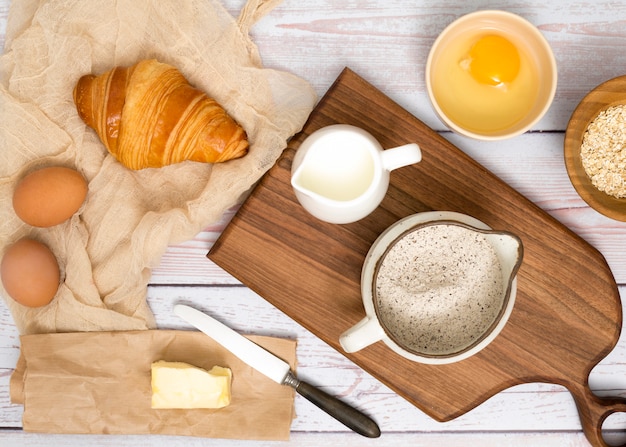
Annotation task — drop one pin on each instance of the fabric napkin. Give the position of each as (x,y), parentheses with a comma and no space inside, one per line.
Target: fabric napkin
(106,251)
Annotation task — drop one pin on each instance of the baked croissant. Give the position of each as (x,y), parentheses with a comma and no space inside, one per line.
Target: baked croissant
(148,115)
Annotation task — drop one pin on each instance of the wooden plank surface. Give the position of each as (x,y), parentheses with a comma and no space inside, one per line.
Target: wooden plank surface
(387,42)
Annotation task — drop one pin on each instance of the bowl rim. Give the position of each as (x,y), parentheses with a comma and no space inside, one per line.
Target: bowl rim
(607,94)
(481,14)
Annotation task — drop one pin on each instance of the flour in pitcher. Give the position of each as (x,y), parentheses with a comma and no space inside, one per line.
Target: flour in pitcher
(439,289)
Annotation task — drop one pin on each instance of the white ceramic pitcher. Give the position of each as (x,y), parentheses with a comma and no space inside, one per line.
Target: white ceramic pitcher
(340,173)
(508,249)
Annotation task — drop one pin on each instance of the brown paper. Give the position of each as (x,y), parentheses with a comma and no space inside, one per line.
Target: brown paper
(100,383)
(107,249)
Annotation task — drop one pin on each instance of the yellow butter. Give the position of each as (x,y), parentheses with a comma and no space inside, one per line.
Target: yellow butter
(180,385)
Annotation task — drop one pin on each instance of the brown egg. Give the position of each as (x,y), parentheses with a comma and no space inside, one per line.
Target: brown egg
(49,196)
(30,273)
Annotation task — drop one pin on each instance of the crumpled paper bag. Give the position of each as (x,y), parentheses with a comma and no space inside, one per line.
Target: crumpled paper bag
(101,383)
(107,249)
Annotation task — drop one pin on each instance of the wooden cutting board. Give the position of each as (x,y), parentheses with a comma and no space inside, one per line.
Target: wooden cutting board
(567,316)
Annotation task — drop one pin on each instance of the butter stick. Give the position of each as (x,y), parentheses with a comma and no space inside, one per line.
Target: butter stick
(180,385)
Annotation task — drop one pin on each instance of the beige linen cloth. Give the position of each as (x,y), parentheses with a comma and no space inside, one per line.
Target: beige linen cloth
(107,249)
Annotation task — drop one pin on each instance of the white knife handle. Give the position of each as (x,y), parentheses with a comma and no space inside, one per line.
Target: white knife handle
(344,413)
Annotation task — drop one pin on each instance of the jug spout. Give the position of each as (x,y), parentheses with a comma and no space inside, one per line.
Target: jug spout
(509,249)
(338,176)
(304,188)
(337,197)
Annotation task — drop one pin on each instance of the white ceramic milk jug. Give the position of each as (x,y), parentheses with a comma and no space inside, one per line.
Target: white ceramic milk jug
(340,173)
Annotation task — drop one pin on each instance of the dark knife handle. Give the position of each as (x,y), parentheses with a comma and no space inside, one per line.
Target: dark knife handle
(344,413)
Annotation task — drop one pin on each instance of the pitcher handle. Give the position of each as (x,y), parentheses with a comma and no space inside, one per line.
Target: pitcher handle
(361,335)
(400,156)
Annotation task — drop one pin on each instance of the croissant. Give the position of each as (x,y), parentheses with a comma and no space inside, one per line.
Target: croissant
(148,115)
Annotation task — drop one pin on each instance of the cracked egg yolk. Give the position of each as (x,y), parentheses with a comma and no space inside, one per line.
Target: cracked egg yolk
(485,81)
(493,60)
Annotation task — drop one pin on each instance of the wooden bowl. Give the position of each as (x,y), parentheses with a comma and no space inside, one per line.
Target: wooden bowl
(608,94)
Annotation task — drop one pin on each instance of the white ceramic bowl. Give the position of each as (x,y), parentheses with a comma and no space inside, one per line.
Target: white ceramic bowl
(516,29)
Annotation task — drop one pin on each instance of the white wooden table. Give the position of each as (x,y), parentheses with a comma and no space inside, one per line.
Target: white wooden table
(387,42)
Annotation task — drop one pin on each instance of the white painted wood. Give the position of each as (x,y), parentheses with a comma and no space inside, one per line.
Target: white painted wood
(312,439)
(387,43)
(521,408)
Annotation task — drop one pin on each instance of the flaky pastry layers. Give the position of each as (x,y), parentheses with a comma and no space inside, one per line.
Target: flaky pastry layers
(149,116)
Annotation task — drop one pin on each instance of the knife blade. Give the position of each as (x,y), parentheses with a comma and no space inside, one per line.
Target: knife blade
(276,369)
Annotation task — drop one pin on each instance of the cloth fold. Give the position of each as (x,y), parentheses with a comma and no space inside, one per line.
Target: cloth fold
(106,250)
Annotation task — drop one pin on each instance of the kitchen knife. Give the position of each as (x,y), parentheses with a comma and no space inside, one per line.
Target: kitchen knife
(276,369)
